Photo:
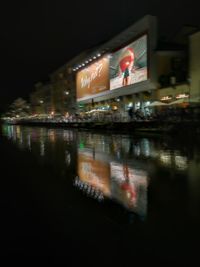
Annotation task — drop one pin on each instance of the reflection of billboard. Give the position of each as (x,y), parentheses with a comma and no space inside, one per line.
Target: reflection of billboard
(119,182)
(129,186)
(94,172)
(93,79)
(129,64)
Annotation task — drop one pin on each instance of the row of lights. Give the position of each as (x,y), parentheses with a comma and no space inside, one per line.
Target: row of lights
(87,62)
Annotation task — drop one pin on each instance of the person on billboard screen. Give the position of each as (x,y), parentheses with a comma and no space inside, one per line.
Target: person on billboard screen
(126,63)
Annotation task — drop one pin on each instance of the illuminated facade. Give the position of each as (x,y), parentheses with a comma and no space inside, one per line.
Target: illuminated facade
(131,53)
(129,71)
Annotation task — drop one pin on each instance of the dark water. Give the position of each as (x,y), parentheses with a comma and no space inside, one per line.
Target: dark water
(70,197)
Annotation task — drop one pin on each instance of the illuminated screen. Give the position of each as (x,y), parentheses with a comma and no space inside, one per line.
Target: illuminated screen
(129,64)
(94,171)
(93,79)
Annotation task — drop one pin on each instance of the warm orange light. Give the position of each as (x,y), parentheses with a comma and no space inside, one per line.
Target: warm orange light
(182,96)
(165,98)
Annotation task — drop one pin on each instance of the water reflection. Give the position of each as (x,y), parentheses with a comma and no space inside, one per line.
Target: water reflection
(119,181)
(106,166)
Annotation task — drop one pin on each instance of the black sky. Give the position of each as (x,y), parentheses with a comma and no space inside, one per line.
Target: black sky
(37,37)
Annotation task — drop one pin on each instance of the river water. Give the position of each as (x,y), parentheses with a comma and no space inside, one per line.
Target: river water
(81,196)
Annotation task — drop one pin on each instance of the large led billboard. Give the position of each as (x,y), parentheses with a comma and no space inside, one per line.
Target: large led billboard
(129,64)
(121,68)
(93,79)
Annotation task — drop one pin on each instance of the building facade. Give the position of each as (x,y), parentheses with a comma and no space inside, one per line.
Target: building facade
(41,99)
(128,72)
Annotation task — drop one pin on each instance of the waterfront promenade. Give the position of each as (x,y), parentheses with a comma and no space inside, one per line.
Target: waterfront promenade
(144,126)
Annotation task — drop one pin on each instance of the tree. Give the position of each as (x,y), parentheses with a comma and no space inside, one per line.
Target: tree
(19,108)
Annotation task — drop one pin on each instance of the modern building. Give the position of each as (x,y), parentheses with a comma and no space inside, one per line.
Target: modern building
(129,71)
(99,77)
(41,99)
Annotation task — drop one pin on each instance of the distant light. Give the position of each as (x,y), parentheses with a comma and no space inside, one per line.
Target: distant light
(182,96)
(99,55)
(66,92)
(94,57)
(41,101)
(79,66)
(130,104)
(118,99)
(52,113)
(90,59)
(86,61)
(165,98)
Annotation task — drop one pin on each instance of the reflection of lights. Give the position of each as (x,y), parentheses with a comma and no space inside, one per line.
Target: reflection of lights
(29,142)
(165,158)
(181,163)
(51,135)
(137,150)
(129,187)
(67,158)
(146,147)
(42,148)
(67,135)
(18,132)
(21,139)
(89,189)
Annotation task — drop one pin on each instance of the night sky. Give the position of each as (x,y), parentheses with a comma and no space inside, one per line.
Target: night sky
(37,37)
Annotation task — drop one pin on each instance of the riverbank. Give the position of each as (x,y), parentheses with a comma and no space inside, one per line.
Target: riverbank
(171,127)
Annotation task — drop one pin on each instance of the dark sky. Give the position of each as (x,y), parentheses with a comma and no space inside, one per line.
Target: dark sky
(37,37)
